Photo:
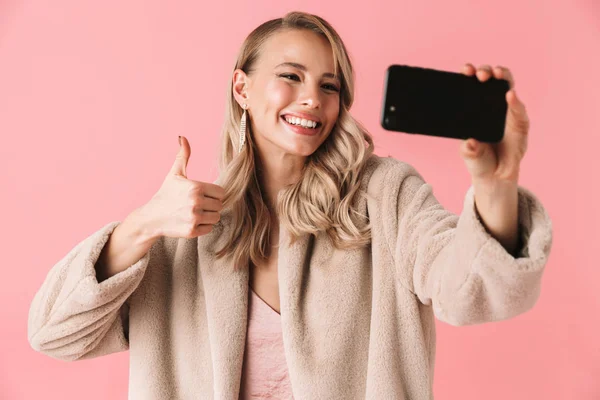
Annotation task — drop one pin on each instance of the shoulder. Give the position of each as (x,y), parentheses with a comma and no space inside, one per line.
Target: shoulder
(388,175)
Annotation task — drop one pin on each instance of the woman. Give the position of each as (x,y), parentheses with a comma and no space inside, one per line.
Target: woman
(314,268)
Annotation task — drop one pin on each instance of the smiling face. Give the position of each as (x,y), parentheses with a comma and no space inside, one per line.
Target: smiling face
(292,96)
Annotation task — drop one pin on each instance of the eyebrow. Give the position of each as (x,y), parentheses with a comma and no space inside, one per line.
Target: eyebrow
(303,69)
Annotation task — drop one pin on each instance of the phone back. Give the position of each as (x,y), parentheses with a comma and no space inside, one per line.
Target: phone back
(445,104)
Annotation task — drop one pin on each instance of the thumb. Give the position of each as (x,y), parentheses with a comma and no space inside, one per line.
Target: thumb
(479,157)
(182,158)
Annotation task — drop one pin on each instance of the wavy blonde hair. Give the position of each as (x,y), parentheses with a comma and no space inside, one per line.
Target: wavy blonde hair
(322,198)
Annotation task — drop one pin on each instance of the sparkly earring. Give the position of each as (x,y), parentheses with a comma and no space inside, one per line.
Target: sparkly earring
(243,128)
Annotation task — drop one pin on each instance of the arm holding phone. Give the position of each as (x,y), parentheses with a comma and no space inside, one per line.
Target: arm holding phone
(480,107)
(494,167)
(450,262)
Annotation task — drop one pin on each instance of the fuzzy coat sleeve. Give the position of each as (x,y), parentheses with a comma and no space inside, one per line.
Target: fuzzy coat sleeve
(74,317)
(451,262)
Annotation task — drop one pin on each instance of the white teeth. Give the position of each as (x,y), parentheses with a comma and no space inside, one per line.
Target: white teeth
(301,121)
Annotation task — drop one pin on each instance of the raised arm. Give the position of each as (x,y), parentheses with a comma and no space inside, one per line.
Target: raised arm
(451,262)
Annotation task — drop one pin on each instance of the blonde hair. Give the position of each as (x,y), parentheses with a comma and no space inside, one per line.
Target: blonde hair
(322,198)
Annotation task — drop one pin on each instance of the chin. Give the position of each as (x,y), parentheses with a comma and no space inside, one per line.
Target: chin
(304,152)
(299,147)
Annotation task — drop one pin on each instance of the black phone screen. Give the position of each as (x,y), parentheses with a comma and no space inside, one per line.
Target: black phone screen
(444,104)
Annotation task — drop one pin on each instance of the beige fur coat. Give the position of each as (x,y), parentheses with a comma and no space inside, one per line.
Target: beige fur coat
(357,324)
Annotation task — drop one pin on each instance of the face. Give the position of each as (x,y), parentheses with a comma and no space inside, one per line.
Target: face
(293,99)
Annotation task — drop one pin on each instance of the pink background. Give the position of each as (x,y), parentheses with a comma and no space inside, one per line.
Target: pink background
(94,94)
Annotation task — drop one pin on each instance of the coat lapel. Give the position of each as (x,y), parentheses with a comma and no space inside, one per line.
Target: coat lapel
(226,297)
(293,275)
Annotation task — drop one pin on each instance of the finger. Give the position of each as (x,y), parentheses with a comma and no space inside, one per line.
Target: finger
(214,191)
(210,204)
(202,229)
(480,161)
(519,113)
(208,217)
(484,72)
(182,158)
(468,69)
(504,73)
(471,148)
(515,103)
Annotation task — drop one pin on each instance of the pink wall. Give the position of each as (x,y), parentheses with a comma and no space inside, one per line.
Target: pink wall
(93,96)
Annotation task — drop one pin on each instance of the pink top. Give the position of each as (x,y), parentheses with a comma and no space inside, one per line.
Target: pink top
(264,373)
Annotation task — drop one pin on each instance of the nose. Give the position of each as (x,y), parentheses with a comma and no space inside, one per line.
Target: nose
(310,96)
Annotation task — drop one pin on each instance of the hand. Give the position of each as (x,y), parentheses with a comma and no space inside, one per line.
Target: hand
(491,164)
(183,207)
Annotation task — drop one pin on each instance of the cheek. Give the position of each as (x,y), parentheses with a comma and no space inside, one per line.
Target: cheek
(279,95)
(333,110)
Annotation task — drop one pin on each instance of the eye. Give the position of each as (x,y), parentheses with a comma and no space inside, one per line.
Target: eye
(331,87)
(292,77)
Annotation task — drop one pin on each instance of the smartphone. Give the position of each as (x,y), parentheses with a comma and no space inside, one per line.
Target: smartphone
(445,104)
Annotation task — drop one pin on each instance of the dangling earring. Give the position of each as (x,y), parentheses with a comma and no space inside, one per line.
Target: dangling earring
(243,128)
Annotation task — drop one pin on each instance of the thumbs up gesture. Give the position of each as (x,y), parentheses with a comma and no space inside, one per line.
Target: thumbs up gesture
(183,207)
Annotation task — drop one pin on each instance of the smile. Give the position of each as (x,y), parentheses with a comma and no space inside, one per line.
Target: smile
(301,126)
(305,123)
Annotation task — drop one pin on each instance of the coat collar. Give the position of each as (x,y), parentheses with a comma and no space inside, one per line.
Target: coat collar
(226,296)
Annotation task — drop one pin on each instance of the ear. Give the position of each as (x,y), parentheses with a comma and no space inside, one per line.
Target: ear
(240,86)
